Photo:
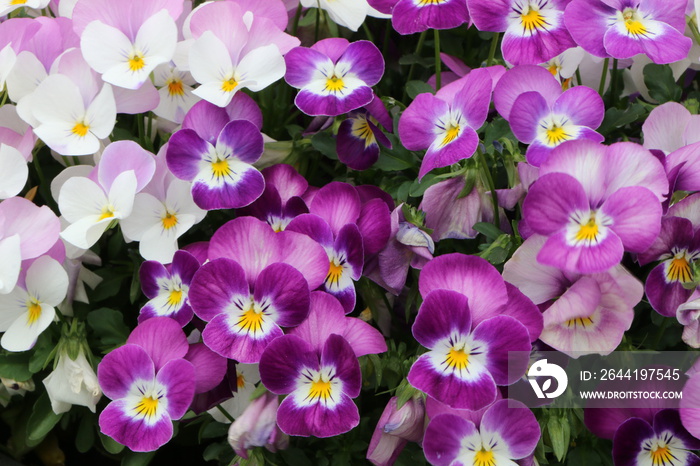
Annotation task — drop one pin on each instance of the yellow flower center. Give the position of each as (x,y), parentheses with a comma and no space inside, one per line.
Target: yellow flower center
(430,2)
(583,322)
(679,269)
(147,406)
(556,135)
(33,311)
(457,359)
(18,2)
(362,130)
(320,389)
(80,129)
(484,458)
(588,231)
(335,271)
(175,88)
(251,321)
(334,84)
(532,20)
(221,168)
(661,456)
(632,22)
(175,298)
(554,69)
(169,221)
(451,133)
(240,381)
(229,85)
(107,212)
(136,62)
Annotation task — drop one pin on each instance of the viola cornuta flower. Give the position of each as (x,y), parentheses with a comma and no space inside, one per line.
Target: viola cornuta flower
(534,29)
(320,387)
(664,442)
(508,431)
(625,28)
(358,140)
(334,76)
(608,200)
(447,128)
(543,116)
(465,363)
(411,16)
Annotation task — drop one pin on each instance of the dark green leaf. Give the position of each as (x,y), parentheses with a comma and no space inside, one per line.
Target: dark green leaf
(42,420)
(413,88)
(110,444)
(324,142)
(108,326)
(661,83)
(85,437)
(488,229)
(616,118)
(133,458)
(15,366)
(41,352)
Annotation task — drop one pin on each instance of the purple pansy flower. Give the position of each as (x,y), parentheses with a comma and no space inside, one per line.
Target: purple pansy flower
(665,442)
(690,402)
(334,76)
(543,116)
(447,128)
(411,16)
(359,138)
(243,320)
(150,384)
(625,28)
(320,387)
(465,364)
(608,200)
(534,29)
(677,247)
(167,288)
(508,431)
(222,174)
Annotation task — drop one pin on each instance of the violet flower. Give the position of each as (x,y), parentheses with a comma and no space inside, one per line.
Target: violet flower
(411,16)
(320,387)
(334,76)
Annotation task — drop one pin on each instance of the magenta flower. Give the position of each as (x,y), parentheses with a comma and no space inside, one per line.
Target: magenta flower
(359,138)
(411,16)
(534,29)
(447,128)
(625,28)
(334,76)
(690,413)
(608,200)
(320,386)
(508,431)
(150,384)
(665,441)
(543,116)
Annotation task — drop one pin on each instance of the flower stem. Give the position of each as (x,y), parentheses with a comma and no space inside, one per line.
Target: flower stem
(419,47)
(692,23)
(297,16)
(438,63)
(365,28)
(318,23)
(481,157)
(604,74)
(225,413)
(492,50)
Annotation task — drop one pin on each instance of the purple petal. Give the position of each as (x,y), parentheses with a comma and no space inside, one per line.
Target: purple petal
(409,18)
(664,127)
(418,121)
(121,156)
(283,361)
(337,203)
(333,105)
(338,353)
(515,424)
(314,227)
(305,255)
(184,154)
(137,434)
(215,285)
(223,337)
(358,153)
(528,109)
(119,369)
(524,311)
(149,274)
(207,120)
(636,215)
(209,367)
(365,60)
(177,377)
(284,289)
(333,47)
(243,139)
(375,225)
(184,265)
(669,420)
(162,338)
(246,240)
(522,79)
(286,179)
(628,441)
(243,107)
(472,276)
(317,419)
(349,244)
(443,313)
(474,98)
(587,22)
(582,105)
(663,294)
(557,252)
(302,63)
(444,438)
(689,172)
(547,213)
(459,149)
(539,47)
(501,335)
(242,187)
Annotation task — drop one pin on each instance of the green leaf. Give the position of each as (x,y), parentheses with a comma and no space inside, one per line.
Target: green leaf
(413,59)
(559,434)
(111,445)
(661,83)
(108,326)
(215,430)
(418,188)
(42,350)
(85,437)
(295,457)
(215,450)
(133,458)
(15,366)
(583,456)
(616,118)
(324,142)
(413,88)
(488,229)
(42,420)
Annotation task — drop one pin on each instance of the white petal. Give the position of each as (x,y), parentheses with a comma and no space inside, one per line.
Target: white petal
(157,39)
(121,75)
(66,174)
(179,199)
(47,281)
(85,232)
(65,8)
(22,335)
(104,47)
(57,100)
(80,197)
(8,57)
(12,305)
(14,171)
(101,114)
(348,13)
(264,65)
(213,93)
(60,137)
(158,245)
(25,76)
(146,214)
(210,62)
(11,260)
